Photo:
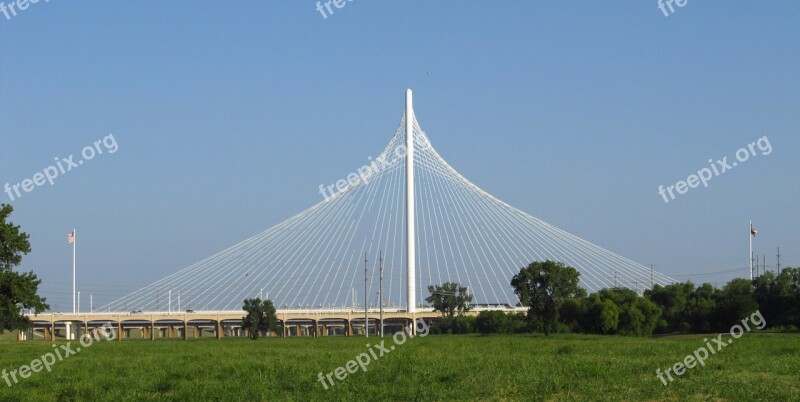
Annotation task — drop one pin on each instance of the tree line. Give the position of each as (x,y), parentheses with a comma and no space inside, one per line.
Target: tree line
(557,304)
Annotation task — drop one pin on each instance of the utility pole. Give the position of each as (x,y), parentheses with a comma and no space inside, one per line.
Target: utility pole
(778,266)
(74,240)
(91,304)
(380,290)
(750,238)
(652,277)
(756,261)
(758,266)
(366,295)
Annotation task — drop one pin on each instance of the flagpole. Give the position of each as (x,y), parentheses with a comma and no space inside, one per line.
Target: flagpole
(74,243)
(750,255)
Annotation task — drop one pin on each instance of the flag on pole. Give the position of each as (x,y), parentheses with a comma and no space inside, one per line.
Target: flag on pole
(753,231)
(70,237)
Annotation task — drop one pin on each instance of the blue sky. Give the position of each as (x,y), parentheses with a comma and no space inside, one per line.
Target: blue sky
(228,116)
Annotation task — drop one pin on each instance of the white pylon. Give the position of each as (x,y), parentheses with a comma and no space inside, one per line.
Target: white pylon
(410,240)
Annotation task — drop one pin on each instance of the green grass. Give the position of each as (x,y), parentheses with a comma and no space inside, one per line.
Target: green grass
(523,367)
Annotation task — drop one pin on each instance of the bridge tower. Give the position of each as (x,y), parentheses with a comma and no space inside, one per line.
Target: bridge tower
(410,230)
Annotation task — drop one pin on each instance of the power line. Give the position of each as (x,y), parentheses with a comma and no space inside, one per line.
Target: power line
(709,273)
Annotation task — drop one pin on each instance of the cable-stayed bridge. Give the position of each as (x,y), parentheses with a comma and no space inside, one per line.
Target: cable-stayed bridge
(430,225)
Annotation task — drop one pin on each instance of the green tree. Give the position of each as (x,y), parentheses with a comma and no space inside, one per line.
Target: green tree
(791,296)
(543,287)
(493,322)
(702,304)
(17,291)
(674,301)
(571,314)
(602,315)
(734,302)
(500,322)
(261,316)
(637,316)
(608,317)
(777,297)
(453,325)
(449,299)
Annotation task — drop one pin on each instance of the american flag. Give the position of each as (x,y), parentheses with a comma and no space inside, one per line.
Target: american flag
(753,231)
(70,237)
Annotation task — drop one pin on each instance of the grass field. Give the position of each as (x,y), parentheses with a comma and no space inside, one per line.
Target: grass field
(520,367)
